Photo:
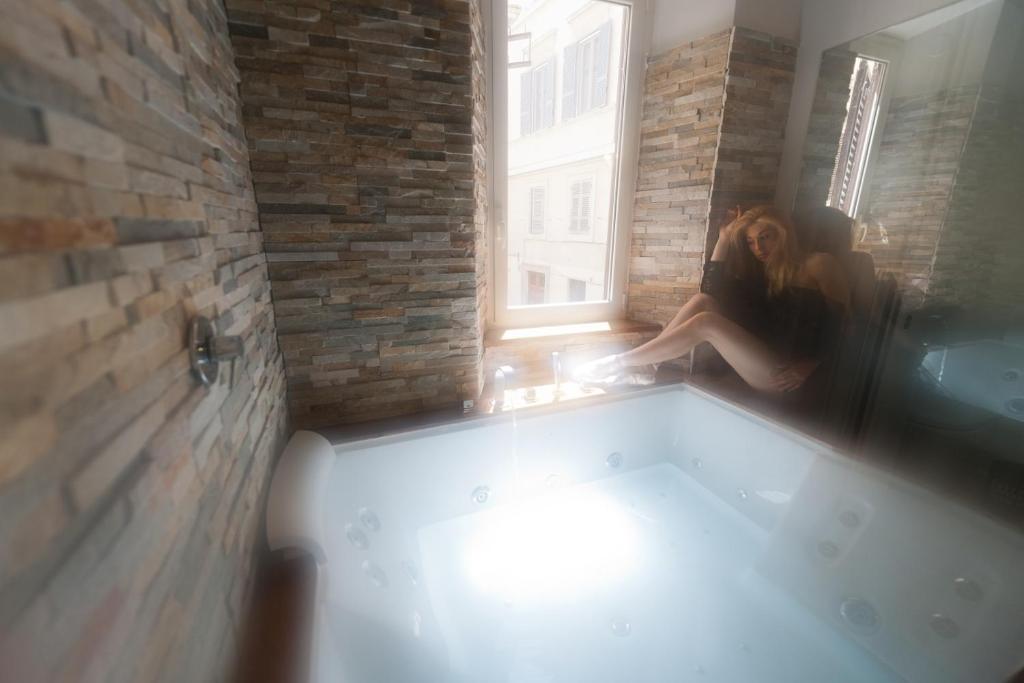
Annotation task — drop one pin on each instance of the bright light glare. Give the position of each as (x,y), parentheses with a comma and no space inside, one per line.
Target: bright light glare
(553,548)
(554,330)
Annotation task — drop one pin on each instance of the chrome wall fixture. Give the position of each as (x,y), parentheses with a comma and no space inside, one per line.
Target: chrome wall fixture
(206,351)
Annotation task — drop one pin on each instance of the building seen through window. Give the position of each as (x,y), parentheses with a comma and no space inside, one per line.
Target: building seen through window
(564,111)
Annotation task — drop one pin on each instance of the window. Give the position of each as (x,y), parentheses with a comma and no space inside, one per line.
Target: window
(537,103)
(536,287)
(858,131)
(581,212)
(577,290)
(536,210)
(550,223)
(585,73)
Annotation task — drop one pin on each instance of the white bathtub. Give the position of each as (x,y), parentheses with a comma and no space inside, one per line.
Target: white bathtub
(660,536)
(987,374)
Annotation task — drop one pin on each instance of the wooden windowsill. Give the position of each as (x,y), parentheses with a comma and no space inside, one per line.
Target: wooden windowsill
(510,336)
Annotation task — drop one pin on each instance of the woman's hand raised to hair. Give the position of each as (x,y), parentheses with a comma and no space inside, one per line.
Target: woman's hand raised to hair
(725,234)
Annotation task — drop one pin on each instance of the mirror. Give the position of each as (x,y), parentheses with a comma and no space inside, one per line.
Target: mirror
(913,172)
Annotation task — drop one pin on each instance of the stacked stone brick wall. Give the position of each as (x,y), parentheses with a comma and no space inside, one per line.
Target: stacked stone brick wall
(825,127)
(912,181)
(360,121)
(130,497)
(757,91)
(711,137)
(1007,218)
(978,261)
(682,113)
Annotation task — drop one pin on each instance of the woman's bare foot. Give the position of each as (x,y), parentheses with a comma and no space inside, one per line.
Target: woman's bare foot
(607,370)
(611,370)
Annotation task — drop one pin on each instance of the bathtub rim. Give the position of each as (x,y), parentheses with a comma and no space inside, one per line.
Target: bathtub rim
(888,476)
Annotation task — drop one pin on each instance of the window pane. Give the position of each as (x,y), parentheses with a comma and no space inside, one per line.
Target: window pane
(563,115)
(536,287)
(858,133)
(577,290)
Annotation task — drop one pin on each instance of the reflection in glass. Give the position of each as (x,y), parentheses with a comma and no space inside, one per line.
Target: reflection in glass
(917,134)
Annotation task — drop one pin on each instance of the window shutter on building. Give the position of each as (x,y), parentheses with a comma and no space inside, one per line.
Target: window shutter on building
(536,210)
(587,192)
(602,59)
(569,83)
(525,103)
(547,101)
(582,206)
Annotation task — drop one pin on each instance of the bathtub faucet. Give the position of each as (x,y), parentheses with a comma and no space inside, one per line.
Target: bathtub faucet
(503,376)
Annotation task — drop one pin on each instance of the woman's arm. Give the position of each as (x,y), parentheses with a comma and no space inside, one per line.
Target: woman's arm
(713,279)
(827,273)
(721,250)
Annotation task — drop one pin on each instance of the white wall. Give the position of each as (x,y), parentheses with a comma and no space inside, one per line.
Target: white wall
(825,24)
(949,55)
(680,21)
(780,18)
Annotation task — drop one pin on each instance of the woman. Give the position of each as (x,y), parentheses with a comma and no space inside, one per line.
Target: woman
(769,309)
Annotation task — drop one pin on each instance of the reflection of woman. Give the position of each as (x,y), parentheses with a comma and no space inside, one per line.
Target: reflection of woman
(769,309)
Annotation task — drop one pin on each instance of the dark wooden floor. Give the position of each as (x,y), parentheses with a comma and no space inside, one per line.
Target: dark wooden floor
(276,637)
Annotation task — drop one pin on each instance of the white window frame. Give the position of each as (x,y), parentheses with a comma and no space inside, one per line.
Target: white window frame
(867,145)
(630,83)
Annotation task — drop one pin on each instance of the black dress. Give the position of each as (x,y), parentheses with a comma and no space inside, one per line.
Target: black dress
(798,323)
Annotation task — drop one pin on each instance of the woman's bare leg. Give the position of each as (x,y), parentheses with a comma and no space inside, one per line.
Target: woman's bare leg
(608,368)
(699,303)
(748,355)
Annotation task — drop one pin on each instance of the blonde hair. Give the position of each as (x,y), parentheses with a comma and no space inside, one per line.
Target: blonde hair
(784,263)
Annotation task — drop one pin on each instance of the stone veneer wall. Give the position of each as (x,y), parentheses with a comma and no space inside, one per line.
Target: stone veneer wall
(757,91)
(978,260)
(825,128)
(912,180)
(360,120)
(1003,290)
(711,136)
(682,113)
(130,497)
